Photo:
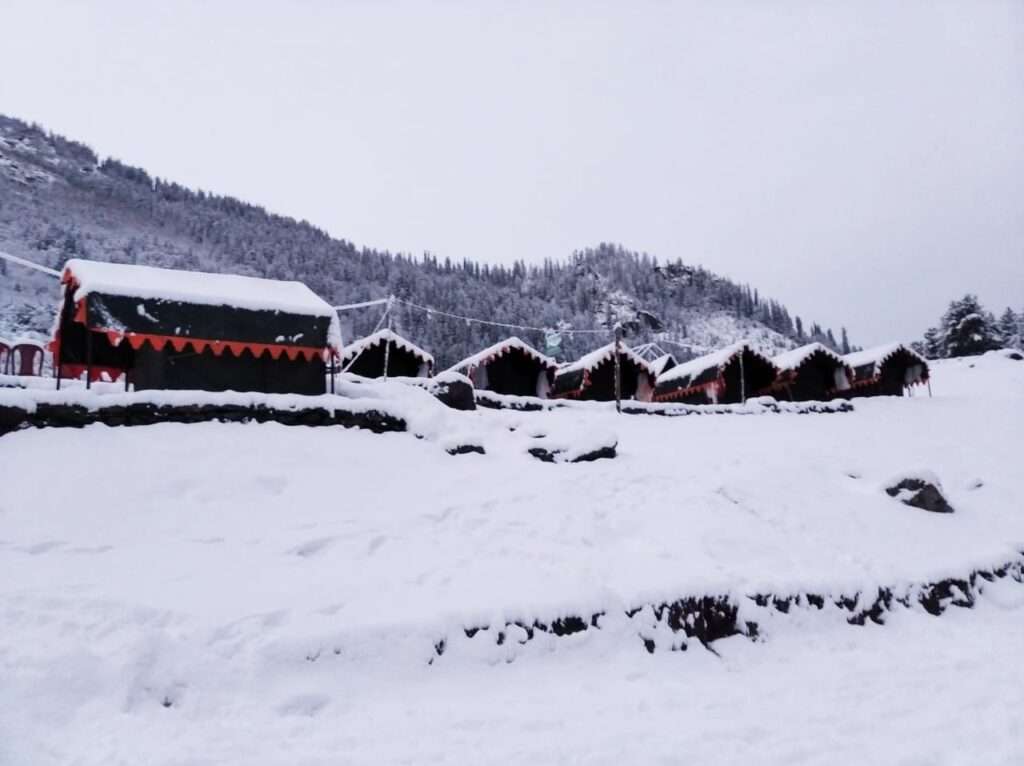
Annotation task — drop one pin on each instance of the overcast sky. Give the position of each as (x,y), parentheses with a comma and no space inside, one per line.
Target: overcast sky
(862,162)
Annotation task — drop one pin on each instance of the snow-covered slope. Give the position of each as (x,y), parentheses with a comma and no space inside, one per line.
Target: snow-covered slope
(256,593)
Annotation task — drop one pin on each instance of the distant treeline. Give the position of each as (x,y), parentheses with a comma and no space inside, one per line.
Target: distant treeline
(967,329)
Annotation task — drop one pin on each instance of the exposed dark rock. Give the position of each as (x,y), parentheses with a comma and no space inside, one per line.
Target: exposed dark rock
(12,418)
(48,415)
(566,626)
(466,449)
(919,493)
(709,618)
(455,391)
(545,455)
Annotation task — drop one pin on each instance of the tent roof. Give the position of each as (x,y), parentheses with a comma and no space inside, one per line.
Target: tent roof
(717,359)
(500,348)
(596,357)
(356,347)
(877,356)
(792,359)
(195,287)
(663,363)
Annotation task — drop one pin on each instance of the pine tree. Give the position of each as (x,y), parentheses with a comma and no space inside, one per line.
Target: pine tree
(967,330)
(932,345)
(1009,329)
(844,342)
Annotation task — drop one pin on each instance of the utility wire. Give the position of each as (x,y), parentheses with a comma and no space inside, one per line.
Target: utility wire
(29,264)
(506,325)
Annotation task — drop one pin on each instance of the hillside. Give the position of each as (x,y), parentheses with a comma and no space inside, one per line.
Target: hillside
(259,593)
(58,199)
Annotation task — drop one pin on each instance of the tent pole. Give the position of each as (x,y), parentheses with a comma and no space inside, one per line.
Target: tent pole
(88,356)
(743,378)
(387,341)
(618,368)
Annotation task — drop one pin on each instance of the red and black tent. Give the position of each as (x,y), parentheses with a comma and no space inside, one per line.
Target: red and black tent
(592,377)
(886,370)
(170,329)
(386,354)
(728,376)
(812,372)
(510,367)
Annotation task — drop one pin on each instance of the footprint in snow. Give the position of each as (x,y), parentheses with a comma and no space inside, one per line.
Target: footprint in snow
(93,549)
(375,543)
(312,547)
(304,705)
(43,547)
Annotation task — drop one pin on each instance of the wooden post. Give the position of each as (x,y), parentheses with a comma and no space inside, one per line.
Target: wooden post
(618,368)
(743,377)
(387,341)
(88,354)
(332,370)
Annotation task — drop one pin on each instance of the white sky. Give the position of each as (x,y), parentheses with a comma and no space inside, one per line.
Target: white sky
(863,162)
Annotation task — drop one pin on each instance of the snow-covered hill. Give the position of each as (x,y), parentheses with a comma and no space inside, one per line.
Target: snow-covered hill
(59,200)
(263,594)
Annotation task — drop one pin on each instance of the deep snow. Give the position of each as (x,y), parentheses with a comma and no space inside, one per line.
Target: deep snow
(280,589)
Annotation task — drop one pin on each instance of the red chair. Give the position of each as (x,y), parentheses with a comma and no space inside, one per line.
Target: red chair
(26,359)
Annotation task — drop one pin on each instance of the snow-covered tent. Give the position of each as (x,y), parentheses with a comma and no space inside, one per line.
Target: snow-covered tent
(810,373)
(592,377)
(404,358)
(510,367)
(716,378)
(886,370)
(170,329)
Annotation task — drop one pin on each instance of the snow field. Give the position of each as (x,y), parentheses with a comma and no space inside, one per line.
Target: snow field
(262,594)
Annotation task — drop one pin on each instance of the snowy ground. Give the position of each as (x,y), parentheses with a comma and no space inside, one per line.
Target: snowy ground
(263,594)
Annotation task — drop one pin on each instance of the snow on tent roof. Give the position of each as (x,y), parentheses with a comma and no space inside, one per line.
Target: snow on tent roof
(716,359)
(663,363)
(197,287)
(500,348)
(790,360)
(356,347)
(145,300)
(589,361)
(876,356)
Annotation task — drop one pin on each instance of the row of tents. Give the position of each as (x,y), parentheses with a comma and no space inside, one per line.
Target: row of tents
(168,329)
(512,367)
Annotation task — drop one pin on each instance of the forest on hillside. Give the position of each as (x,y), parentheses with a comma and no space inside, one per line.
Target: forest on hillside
(59,200)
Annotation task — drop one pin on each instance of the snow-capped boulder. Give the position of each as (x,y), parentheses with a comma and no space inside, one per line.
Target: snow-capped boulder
(919,490)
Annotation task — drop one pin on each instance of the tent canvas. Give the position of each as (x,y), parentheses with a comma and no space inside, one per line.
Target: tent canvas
(727,376)
(512,367)
(812,372)
(190,330)
(888,370)
(366,357)
(592,376)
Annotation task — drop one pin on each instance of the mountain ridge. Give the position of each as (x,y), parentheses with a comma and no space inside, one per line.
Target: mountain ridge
(58,200)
